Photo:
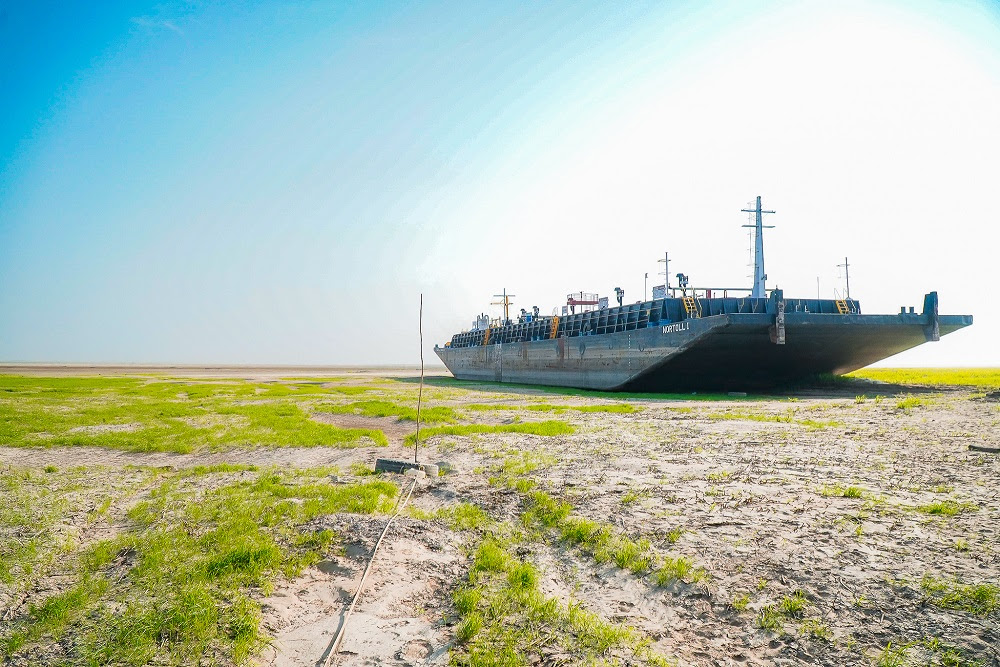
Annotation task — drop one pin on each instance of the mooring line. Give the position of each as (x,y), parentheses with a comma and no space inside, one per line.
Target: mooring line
(335,646)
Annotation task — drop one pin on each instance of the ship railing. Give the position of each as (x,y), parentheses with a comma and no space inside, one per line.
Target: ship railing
(713,292)
(628,317)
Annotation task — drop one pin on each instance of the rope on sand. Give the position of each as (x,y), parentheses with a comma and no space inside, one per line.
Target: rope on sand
(335,646)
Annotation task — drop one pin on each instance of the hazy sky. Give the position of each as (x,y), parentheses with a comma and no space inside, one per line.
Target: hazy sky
(277,183)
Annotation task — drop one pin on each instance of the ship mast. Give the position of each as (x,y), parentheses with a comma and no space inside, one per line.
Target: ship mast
(758,255)
(847,276)
(506,301)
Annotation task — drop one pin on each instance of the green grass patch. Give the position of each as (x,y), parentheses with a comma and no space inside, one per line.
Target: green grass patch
(679,569)
(982,378)
(909,402)
(546,510)
(52,615)
(839,491)
(816,629)
(36,507)
(139,414)
(633,496)
(768,618)
(790,607)
(946,508)
(978,599)
(948,655)
(516,465)
(927,651)
(600,541)
(288,425)
(788,417)
(605,545)
(430,415)
(739,602)
(462,516)
(184,569)
(504,619)
(892,656)
(793,606)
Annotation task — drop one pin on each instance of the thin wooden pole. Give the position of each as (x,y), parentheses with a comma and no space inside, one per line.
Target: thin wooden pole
(420,392)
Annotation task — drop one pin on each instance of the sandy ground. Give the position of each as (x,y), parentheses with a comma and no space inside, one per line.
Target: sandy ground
(301,457)
(221,371)
(753,501)
(399,618)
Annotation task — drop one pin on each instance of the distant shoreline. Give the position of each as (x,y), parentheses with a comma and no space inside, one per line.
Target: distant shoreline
(45,368)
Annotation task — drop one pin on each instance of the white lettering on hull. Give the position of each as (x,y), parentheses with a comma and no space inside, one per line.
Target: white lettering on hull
(679,326)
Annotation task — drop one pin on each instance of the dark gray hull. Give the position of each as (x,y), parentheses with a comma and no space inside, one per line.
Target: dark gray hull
(726,351)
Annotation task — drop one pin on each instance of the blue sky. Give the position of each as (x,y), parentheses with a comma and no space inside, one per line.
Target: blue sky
(276,183)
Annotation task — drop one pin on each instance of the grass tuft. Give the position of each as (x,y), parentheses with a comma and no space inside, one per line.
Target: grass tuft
(768,618)
(547,510)
(892,656)
(978,599)
(909,402)
(842,491)
(793,606)
(946,508)
(675,569)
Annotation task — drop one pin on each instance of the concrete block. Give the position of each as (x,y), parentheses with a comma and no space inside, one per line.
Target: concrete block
(392,465)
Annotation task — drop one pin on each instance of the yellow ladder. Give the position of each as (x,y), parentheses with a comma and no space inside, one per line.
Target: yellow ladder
(486,337)
(842,307)
(691,306)
(555,326)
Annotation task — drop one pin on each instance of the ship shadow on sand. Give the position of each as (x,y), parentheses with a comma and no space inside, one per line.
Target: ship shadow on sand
(820,387)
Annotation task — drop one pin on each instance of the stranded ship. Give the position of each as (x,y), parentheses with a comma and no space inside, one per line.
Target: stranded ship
(691,338)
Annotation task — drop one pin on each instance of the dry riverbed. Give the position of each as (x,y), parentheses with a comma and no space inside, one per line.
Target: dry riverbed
(846,525)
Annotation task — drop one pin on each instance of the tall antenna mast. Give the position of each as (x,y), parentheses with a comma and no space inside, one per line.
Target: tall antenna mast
(847,276)
(505,303)
(758,255)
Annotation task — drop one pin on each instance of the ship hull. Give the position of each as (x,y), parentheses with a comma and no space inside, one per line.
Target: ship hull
(727,351)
